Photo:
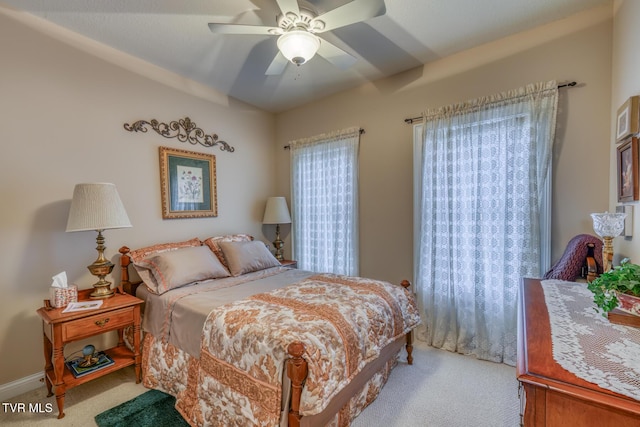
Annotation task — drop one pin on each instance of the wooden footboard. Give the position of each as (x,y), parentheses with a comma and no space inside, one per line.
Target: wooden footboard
(297,369)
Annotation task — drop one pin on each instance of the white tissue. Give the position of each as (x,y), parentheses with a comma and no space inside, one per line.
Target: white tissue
(59,280)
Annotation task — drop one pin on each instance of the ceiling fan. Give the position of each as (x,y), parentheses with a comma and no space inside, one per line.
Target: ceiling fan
(297,29)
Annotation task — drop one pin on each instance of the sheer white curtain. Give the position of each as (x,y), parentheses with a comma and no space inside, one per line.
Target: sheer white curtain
(324,177)
(485,170)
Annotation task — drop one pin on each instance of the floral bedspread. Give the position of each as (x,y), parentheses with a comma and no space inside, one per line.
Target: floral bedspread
(344,323)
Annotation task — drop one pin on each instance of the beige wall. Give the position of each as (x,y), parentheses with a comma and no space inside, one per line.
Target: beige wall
(62,113)
(626,83)
(577,48)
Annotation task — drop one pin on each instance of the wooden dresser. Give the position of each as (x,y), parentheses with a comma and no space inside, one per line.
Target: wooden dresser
(554,396)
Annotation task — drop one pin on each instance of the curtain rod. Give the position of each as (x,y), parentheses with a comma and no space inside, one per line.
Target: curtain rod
(415,119)
(286,147)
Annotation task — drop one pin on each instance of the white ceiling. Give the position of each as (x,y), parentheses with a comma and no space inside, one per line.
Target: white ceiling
(174,35)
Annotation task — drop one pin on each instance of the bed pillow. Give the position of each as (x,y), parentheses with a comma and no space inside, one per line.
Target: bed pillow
(246,257)
(214,244)
(141,254)
(173,269)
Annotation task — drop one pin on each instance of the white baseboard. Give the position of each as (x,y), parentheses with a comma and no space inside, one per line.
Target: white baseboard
(23,385)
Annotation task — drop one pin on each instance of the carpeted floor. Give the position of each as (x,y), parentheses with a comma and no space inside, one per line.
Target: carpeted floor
(439,389)
(445,389)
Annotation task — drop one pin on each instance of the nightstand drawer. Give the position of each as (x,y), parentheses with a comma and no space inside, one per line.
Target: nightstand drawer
(96,324)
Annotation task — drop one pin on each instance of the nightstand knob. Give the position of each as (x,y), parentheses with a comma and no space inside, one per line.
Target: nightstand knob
(103,322)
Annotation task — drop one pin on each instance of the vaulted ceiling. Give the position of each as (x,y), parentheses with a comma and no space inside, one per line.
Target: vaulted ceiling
(175,35)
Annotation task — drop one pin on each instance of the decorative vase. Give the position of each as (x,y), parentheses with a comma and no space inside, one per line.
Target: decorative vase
(608,226)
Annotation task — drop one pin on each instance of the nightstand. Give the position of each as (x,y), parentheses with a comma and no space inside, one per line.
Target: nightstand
(289,263)
(60,328)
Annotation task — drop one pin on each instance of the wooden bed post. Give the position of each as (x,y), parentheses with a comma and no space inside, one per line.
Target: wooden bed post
(297,370)
(409,346)
(124,267)
(125,284)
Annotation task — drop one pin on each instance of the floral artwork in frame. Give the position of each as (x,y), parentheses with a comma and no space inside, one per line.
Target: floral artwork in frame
(627,161)
(628,119)
(188,184)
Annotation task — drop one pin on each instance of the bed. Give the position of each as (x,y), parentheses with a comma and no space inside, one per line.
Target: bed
(240,340)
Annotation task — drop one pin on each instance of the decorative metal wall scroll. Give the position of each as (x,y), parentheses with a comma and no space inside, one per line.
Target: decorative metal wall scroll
(183,129)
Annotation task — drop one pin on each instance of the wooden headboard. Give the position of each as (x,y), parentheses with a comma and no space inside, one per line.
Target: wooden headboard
(125,284)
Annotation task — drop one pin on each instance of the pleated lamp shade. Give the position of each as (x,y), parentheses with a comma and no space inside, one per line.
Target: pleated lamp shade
(96,206)
(276,211)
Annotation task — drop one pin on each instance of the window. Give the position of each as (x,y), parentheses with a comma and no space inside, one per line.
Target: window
(483,181)
(325,202)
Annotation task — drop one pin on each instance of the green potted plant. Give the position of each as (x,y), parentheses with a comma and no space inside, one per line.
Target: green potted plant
(618,288)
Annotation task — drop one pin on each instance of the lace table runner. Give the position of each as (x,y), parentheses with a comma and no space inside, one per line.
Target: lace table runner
(586,344)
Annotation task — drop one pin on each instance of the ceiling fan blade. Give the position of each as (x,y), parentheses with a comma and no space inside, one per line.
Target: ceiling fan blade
(350,13)
(277,66)
(243,29)
(335,55)
(288,6)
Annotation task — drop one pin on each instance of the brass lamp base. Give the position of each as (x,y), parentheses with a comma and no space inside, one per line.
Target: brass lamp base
(100,268)
(102,288)
(278,244)
(102,292)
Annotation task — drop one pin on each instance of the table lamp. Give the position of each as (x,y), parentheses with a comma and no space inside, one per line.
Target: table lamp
(97,207)
(608,226)
(277,213)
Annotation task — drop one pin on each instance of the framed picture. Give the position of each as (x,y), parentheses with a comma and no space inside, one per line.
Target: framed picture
(628,170)
(627,119)
(188,184)
(628,220)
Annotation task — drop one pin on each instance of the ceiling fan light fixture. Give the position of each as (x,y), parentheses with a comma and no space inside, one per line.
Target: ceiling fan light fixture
(298,46)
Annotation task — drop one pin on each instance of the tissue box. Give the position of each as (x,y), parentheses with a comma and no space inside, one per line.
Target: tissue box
(61,297)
